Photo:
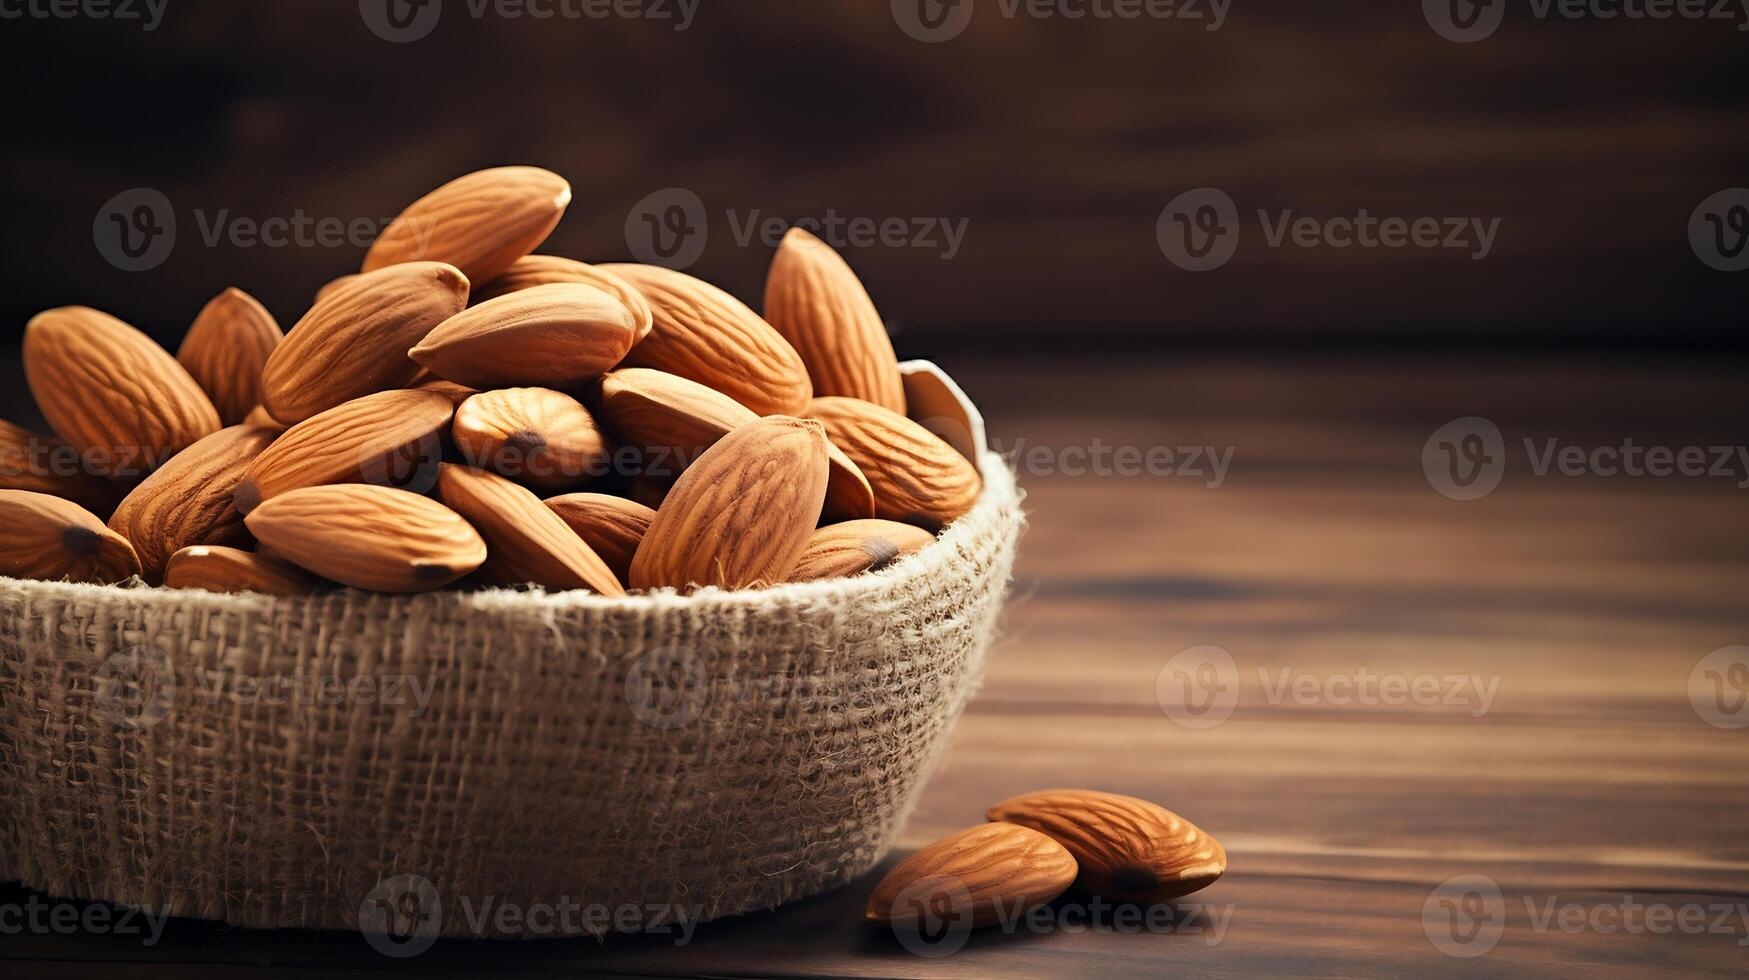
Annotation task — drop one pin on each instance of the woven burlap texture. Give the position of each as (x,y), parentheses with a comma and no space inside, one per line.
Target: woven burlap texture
(255,760)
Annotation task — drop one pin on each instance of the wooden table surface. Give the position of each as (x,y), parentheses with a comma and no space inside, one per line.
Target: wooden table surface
(1569,767)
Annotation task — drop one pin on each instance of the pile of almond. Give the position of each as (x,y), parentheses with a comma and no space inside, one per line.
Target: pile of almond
(464,411)
(1036,846)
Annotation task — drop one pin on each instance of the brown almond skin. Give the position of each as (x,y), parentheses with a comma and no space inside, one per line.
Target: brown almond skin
(111,392)
(538,437)
(52,539)
(528,542)
(226,349)
(261,418)
(335,283)
(41,464)
(612,526)
(541,270)
(854,547)
(481,223)
(354,340)
(1128,850)
(387,437)
(375,538)
(219,569)
(741,516)
(980,874)
(917,478)
(191,499)
(819,305)
(547,336)
(673,420)
(704,334)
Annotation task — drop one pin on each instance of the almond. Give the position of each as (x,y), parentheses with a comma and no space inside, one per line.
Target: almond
(705,334)
(354,341)
(527,542)
(672,421)
(333,284)
(611,526)
(53,539)
(977,877)
(40,464)
(819,305)
(481,223)
(1128,849)
(226,349)
(536,436)
(111,392)
(368,537)
(553,335)
(448,389)
(391,437)
(649,490)
(854,547)
(540,270)
(261,418)
(191,499)
(916,477)
(218,569)
(742,514)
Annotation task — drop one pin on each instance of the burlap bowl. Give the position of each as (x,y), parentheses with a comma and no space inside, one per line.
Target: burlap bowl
(322,762)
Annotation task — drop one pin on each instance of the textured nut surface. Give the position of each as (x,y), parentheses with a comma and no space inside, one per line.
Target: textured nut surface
(855,547)
(481,223)
(354,341)
(612,526)
(538,437)
(742,514)
(540,270)
(391,437)
(528,543)
(111,392)
(42,464)
(191,499)
(369,537)
(551,336)
(917,478)
(819,305)
(981,875)
(53,539)
(1128,849)
(226,349)
(709,336)
(221,569)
